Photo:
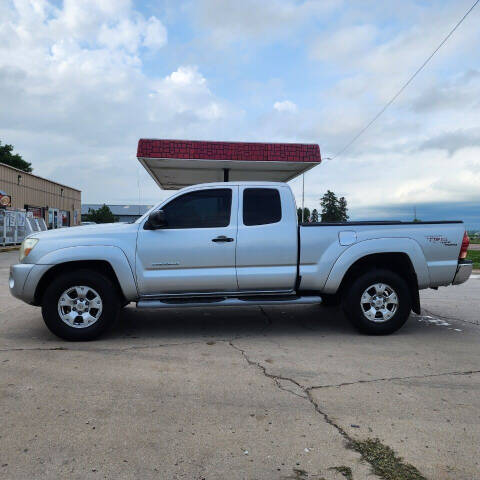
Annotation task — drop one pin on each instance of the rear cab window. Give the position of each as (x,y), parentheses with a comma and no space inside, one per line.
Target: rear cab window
(261,206)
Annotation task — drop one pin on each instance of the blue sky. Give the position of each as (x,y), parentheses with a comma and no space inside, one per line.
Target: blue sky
(82,80)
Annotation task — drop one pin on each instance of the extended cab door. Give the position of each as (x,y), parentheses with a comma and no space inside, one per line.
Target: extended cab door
(267,239)
(195,251)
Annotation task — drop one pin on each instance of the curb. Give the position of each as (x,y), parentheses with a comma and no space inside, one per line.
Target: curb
(10,249)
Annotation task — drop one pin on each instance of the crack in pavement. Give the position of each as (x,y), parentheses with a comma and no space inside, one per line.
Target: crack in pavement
(97,350)
(33,349)
(349,443)
(307,393)
(389,379)
(306,390)
(275,378)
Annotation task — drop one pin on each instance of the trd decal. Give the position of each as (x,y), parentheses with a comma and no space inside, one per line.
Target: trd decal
(441,240)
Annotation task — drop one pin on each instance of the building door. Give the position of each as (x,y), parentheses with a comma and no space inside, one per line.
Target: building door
(64,219)
(52,218)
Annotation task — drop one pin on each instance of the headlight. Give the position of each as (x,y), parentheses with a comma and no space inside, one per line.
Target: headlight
(27,246)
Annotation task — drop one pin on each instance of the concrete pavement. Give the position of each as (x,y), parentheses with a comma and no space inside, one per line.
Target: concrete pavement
(250,393)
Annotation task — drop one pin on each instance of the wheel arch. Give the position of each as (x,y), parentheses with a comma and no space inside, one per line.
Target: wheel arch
(397,262)
(101,266)
(107,259)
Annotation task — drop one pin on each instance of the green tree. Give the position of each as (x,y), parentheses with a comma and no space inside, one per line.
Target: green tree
(14,160)
(342,205)
(306,214)
(314,215)
(101,215)
(333,209)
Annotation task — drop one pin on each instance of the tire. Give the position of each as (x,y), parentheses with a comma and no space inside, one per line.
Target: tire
(91,322)
(375,312)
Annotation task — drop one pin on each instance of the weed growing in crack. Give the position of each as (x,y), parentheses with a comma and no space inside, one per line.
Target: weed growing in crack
(345,471)
(383,460)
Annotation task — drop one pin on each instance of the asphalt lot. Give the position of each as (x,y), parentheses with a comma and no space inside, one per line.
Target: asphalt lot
(251,393)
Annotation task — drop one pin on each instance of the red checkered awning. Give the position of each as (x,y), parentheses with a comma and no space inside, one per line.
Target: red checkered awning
(176,164)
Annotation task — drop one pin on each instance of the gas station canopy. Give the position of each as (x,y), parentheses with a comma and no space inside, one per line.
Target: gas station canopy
(175,164)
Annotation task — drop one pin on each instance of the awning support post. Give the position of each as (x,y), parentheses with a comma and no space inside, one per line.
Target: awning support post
(226,174)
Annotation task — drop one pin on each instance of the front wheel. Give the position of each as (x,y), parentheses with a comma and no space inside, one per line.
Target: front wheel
(80,305)
(378,302)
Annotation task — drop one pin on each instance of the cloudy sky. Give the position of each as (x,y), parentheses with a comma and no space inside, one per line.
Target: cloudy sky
(82,80)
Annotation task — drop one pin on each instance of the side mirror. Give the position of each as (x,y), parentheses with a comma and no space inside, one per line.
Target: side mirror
(156,220)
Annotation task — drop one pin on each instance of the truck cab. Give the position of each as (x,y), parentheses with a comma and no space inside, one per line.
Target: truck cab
(226,239)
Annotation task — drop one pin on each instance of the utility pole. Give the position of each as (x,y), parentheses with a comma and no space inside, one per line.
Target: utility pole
(303,197)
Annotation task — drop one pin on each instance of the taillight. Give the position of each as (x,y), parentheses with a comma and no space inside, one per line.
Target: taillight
(465,244)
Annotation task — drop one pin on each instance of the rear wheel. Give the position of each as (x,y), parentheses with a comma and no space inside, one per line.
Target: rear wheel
(378,302)
(80,305)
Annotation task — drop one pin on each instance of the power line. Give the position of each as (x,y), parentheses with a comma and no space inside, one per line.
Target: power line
(405,85)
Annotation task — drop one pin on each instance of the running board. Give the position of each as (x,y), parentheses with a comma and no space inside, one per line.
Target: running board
(228,302)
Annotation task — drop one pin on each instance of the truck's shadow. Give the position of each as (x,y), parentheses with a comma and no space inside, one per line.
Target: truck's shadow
(228,323)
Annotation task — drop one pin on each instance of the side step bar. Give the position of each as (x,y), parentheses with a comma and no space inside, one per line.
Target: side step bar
(228,302)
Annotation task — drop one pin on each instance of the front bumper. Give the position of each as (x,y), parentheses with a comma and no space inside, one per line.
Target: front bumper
(24,278)
(18,276)
(464,270)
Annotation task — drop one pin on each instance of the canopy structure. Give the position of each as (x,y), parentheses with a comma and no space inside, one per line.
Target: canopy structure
(175,164)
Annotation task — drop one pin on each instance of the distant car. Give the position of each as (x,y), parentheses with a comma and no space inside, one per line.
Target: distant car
(89,223)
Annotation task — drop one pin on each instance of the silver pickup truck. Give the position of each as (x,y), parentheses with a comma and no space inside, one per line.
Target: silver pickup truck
(235,243)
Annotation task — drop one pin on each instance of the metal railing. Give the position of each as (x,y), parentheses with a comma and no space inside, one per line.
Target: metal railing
(15,225)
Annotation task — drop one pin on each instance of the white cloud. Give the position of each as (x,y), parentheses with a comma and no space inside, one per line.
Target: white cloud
(75,99)
(131,35)
(156,34)
(185,92)
(345,44)
(231,21)
(285,106)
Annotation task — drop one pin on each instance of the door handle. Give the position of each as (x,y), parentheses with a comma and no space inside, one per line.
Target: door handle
(222,238)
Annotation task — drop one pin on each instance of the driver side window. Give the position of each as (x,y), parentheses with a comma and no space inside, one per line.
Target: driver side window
(201,209)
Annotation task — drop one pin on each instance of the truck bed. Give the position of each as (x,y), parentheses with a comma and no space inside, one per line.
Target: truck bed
(432,248)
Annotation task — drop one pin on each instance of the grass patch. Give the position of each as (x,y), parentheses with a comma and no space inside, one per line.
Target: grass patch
(345,471)
(384,462)
(475,256)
